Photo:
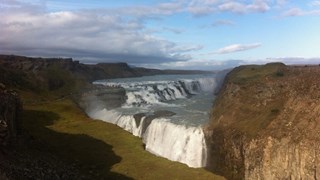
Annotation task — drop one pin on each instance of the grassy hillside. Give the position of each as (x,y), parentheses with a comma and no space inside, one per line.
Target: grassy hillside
(102,149)
(248,92)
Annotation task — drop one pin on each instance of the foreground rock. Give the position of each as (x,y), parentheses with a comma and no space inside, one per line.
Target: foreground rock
(33,164)
(265,124)
(10,108)
(21,157)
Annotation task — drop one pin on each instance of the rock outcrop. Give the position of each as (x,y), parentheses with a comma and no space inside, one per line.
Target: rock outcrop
(20,154)
(265,124)
(10,108)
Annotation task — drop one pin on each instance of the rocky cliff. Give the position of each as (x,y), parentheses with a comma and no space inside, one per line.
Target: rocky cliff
(265,124)
(10,108)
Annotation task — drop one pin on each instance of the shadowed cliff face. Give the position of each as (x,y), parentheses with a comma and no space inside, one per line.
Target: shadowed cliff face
(10,108)
(265,124)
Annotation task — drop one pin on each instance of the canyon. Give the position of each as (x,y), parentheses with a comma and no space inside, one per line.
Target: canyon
(264,122)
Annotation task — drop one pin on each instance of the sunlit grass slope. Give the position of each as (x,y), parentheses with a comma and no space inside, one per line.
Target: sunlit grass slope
(102,149)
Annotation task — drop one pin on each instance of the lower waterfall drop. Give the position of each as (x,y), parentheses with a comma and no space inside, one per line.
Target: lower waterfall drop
(176,142)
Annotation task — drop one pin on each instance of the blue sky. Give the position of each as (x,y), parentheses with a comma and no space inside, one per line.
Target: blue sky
(175,34)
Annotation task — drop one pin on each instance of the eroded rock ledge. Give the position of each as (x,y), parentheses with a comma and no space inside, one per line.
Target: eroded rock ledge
(265,123)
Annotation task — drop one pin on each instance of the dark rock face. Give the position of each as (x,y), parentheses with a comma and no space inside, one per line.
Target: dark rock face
(138,117)
(265,124)
(23,157)
(149,118)
(10,108)
(17,165)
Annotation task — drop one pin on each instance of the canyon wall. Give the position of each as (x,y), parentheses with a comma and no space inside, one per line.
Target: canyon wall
(265,124)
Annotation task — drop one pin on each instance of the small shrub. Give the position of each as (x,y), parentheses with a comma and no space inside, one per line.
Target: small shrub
(279,74)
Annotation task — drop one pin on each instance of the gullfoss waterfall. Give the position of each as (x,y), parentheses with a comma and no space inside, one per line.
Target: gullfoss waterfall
(166,111)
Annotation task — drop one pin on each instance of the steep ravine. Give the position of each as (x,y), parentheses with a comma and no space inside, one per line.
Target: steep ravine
(265,124)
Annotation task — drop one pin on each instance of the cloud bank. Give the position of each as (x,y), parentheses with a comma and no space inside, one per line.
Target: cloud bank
(102,35)
(124,33)
(237,47)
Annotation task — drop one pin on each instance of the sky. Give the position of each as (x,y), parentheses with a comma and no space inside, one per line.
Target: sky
(164,34)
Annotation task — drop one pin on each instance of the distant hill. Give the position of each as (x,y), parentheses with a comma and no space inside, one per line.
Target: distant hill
(65,75)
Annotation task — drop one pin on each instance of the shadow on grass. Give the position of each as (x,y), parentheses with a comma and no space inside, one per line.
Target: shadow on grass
(94,156)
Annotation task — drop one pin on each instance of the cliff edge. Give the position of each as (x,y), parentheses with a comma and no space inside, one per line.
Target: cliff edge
(265,123)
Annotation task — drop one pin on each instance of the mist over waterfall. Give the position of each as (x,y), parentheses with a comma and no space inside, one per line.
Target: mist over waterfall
(166,111)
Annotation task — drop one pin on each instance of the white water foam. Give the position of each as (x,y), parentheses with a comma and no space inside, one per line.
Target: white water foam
(145,93)
(176,142)
(163,138)
(126,122)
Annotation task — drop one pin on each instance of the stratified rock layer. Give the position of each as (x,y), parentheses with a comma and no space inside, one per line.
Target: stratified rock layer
(265,124)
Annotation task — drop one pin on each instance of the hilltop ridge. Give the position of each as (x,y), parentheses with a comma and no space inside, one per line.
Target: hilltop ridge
(64,75)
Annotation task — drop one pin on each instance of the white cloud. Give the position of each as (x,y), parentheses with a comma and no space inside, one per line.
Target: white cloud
(237,47)
(237,7)
(205,7)
(93,34)
(293,12)
(296,60)
(200,10)
(281,2)
(209,65)
(187,48)
(223,22)
(155,11)
(173,30)
(315,3)
(115,34)
(299,12)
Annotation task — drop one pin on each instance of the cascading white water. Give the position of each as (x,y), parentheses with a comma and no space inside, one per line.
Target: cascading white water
(178,137)
(176,142)
(126,122)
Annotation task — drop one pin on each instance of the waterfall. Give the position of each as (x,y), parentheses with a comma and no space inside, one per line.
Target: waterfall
(161,135)
(176,142)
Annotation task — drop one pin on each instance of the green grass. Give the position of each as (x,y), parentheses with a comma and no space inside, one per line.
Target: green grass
(101,148)
(243,110)
(253,73)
